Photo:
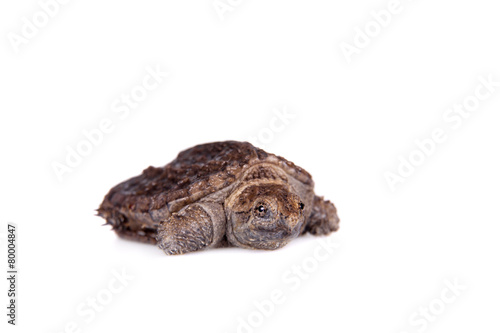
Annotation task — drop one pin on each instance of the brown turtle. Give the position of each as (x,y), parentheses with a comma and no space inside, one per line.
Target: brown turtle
(219,194)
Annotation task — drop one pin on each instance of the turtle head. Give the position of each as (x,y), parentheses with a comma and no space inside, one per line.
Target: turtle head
(263,216)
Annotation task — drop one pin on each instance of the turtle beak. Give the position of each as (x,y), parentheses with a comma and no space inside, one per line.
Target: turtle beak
(290,225)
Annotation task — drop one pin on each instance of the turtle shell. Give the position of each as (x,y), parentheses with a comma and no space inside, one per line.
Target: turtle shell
(196,173)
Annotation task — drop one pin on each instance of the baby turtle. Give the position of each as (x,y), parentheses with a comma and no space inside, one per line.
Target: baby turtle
(219,194)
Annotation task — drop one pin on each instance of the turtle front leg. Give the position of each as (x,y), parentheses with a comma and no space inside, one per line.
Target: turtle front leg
(323,219)
(195,227)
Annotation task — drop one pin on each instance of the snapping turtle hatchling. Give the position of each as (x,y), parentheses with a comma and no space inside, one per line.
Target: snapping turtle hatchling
(219,194)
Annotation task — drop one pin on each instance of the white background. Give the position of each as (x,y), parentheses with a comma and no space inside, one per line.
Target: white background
(351,122)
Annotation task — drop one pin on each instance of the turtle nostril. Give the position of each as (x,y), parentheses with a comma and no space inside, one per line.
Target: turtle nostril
(301,206)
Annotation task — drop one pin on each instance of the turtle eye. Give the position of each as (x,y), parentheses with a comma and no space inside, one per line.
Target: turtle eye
(301,206)
(260,210)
